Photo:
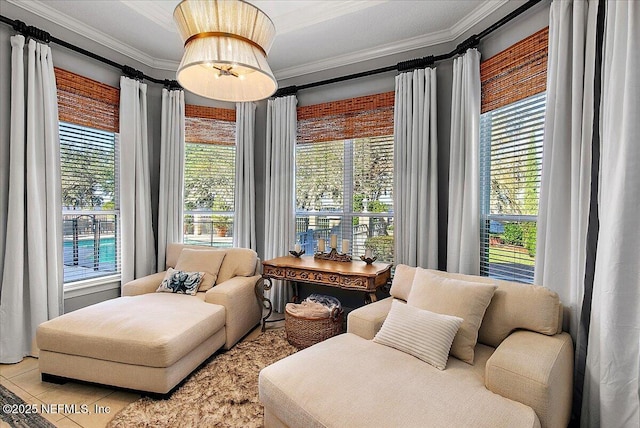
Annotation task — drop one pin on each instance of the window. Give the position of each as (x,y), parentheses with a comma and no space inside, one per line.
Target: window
(88,112)
(88,163)
(511,132)
(209,176)
(344,175)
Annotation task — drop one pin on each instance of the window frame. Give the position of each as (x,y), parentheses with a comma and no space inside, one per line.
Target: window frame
(515,75)
(210,126)
(89,104)
(346,214)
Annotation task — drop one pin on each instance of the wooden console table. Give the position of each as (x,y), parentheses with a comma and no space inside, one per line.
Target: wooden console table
(354,275)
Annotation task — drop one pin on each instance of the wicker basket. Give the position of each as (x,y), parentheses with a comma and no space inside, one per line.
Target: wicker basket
(303,332)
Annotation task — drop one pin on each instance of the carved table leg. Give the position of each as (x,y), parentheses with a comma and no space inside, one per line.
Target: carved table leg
(370,297)
(262,285)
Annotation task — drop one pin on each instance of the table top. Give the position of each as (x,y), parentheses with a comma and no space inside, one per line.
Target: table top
(354,267)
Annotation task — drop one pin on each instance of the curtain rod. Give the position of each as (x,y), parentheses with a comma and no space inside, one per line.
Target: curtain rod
(45,37)
(412,64)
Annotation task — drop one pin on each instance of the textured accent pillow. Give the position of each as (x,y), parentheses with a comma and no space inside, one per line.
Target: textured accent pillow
(423,334)
(207,261)
(467,300)
(177,281)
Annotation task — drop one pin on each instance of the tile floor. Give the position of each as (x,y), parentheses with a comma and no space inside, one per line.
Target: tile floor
(23,379)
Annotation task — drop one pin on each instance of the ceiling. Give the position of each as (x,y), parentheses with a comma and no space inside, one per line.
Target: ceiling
(311,35)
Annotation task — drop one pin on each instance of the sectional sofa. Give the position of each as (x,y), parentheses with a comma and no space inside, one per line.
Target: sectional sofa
(518,375)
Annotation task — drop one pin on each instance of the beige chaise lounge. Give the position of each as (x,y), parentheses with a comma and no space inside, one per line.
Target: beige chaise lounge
(150,341)
(521,376)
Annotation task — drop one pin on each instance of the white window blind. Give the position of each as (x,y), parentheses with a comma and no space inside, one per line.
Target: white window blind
(89,178)
(510,169)
(345,188)
(209,186)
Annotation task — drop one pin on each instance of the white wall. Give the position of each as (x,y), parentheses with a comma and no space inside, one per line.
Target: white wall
(523,26)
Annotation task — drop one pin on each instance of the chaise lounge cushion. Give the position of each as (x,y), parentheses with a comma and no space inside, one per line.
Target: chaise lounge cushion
(353,382)
(513,305)
(119,329)
(402,281)
(208,261)
(237,261)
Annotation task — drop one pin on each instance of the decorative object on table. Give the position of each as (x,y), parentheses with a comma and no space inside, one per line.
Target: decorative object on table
(368,257)
(239,71)
(224,392)
(315,319)
(334,242)
(368,260)
(333,255)
(345,246)
(296,253)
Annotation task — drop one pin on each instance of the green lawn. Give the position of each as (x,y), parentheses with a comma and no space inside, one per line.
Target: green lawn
(510,254)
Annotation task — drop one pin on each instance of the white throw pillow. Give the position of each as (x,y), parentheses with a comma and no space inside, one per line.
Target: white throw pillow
(176,281)
(418,332)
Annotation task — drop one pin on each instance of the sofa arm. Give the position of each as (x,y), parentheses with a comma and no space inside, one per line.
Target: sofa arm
(243,310)
(535,370)
(144,285)
(367,320)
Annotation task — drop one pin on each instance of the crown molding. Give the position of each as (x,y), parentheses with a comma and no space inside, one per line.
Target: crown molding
(476,16)
(405,45)
(44,11)
(41,9)
(165,64)
(365,54)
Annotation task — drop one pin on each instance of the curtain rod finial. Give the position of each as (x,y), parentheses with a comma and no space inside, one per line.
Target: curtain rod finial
(172,85)
(286,91)
(413,64)
(471,42)
(132,72)
(19,26)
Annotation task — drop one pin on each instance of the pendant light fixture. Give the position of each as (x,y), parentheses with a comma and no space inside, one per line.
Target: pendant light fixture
(225,50)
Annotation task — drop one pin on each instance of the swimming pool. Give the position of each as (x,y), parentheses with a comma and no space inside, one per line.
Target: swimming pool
(107,248)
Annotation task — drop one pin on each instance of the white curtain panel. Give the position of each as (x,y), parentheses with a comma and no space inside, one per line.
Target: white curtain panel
(566,165)
(170,214)
(280,188)
(138,252)
(611,396)
(244,225)
(33,274)
(415,169)
(463,231)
